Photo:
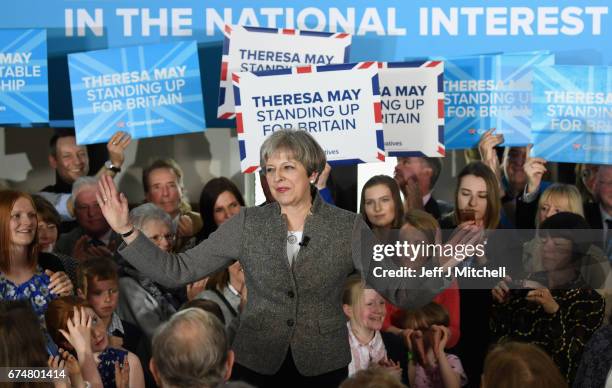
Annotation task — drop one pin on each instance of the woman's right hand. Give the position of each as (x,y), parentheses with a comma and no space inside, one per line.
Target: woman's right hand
(534,168)
(114,205)
(501,291)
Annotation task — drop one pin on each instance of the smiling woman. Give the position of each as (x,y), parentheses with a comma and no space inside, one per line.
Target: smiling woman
(292,328)
(21,276)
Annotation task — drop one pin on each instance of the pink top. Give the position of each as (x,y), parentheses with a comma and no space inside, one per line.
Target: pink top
(431,378)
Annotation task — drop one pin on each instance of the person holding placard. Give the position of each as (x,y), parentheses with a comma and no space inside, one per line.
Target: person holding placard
(70,162)
(296,254)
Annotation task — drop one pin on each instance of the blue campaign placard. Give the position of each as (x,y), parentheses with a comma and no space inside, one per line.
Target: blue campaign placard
(148,91)
(467,85)
(511,101)
(24,91)
(572,114)
(490,91)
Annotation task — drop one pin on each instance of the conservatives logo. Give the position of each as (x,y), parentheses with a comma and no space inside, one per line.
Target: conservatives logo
(576,146)
(120,124)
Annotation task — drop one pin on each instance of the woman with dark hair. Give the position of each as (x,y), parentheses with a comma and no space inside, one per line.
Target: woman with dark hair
(554,309)
(220,200)
(47,235)
(381,204)
(21,274)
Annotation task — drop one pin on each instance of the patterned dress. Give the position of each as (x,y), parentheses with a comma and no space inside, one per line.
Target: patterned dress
(106,366)
(36,290)
(563,334)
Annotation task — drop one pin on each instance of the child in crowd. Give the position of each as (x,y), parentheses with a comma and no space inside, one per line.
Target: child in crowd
(429,366)
(365,310)
(98,284)
(112,363)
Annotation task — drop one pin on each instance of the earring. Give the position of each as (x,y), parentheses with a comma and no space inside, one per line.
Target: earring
(312,181)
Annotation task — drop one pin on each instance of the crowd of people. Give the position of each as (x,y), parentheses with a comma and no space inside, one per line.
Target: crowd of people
(121,294)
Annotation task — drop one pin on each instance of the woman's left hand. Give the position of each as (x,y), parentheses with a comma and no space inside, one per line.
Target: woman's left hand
(544,298)
(60,283)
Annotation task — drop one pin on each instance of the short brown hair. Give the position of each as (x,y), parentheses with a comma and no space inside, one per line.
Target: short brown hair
(431,314)
(518,365)
(46,210)
(97,268)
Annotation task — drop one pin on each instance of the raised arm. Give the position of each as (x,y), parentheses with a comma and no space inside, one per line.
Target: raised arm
(404,292)
(170,270)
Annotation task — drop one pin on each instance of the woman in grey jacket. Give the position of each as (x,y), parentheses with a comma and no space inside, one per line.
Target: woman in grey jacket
(296,254)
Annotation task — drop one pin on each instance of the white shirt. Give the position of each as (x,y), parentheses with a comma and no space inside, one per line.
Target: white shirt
(364,355)
(294,238)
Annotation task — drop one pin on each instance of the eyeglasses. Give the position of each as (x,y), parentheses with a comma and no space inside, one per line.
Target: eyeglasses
(158,238)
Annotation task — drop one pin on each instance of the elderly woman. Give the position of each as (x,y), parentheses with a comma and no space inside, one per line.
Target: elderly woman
(553,309)
(296,254)
(142,301)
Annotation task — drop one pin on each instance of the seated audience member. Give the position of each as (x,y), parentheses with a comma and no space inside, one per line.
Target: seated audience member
(206,305)
(143,302)
(586,175)
(596,363)
(373,377)
(365,311)
(70,162)
(426,336)
(220,200)
(560,197)
(93,237)
(47,235)
(520,365)
(64,314)
(98,284)
(225,289)
(553,309)
(416,177)
(163,186)
(421,228)
(20,330)
(191,350)
(22,276)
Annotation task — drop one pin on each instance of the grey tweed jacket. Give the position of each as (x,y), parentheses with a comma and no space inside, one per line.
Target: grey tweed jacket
(297,307)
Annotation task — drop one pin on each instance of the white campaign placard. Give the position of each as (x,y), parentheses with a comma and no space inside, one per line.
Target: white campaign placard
(262,49)
(338,104)
(412,100)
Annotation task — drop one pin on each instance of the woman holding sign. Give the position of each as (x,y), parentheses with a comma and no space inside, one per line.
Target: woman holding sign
(296,254)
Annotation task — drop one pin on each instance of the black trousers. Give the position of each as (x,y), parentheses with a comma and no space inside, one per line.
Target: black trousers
(289,376)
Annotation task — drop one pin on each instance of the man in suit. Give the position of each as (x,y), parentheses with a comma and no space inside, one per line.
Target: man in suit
(599,213)
(416,177)
(93,236)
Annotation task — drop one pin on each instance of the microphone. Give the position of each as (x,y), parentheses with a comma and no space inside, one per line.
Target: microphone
(304,242)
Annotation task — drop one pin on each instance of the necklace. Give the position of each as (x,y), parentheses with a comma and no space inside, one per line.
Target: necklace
(292,238)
